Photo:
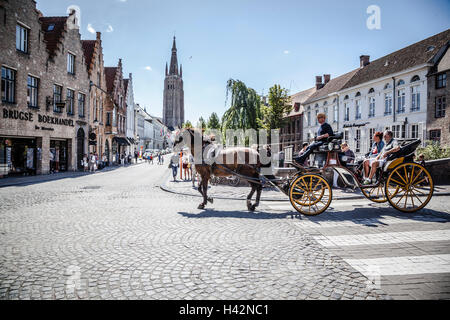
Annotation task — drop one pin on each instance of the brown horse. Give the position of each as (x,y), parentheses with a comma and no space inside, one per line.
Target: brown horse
(225,164)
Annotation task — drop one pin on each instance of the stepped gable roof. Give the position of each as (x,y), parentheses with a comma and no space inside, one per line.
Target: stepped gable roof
(88,50)
(416,54)
(110,75)
(54,29)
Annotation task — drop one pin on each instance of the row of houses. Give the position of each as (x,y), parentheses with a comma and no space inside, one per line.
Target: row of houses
(405,92)
(59,102)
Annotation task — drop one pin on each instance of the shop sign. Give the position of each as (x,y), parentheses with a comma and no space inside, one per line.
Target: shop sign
(28,116)
(355,125)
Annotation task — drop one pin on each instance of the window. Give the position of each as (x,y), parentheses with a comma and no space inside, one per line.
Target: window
(32,92)
(81,104)
(8,85)
(414,131)
(401,99)
(101,110)
(358,94)
(358,140)
(347,112)
(372,91)
(346,135)
(335,111)
(415,78)
(388,103)
(317,122)
(70,101)
(57,96)
(95,111)
(371,134)
(70,63)
(396,131)
(441,104)
(400,83)
(415,98)
(108,118)
(441,80)
(358,109)
(22,38)
(325,110)
(309,118)
(99,80)
(403,136)
(387,86)
(435,135)
(371,107)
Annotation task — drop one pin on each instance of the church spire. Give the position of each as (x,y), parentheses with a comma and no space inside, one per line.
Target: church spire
(174,59)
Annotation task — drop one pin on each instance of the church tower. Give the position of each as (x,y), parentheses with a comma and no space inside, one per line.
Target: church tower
(173,106)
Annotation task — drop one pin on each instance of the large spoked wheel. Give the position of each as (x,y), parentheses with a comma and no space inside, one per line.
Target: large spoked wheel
(409,187)
(375,194)
(310,194)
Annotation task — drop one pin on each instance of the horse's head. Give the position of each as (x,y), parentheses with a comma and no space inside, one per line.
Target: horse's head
(183,139)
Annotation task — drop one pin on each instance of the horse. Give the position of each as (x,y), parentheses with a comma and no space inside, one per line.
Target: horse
(226,164)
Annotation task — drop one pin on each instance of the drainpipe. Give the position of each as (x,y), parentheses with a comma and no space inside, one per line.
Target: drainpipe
(394,99)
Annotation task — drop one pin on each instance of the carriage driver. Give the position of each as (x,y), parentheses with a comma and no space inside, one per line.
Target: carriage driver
(391,146)
(325,131)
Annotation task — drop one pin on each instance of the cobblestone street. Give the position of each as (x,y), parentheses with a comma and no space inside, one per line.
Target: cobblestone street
(117,235)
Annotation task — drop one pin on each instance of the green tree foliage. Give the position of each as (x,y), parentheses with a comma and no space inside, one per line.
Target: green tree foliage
(245,109)
(187,125)
(201,123)
(279,105)
(434,151)
(213,121)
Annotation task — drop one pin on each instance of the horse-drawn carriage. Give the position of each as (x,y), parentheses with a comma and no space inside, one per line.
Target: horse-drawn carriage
(405,184)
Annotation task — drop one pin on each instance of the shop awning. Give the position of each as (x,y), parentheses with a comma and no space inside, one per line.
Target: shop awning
(121,141)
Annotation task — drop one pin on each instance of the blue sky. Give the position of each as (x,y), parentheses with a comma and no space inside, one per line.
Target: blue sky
(262,43)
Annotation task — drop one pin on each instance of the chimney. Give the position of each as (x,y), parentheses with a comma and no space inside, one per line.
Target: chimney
(326,78)
(319,84)
(364,61)
(99,35)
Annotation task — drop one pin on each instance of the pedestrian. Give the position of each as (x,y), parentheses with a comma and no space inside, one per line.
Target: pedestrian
(91,162)
(174,166)
(136,157)
(186,170)
(85,163)
(104,160)
(151,158)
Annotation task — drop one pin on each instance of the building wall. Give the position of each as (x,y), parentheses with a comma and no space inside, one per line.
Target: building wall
(433,122)
(130,113)
(37,64)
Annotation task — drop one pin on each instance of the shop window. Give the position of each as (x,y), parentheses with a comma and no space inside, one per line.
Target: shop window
(8,85)
(414,131)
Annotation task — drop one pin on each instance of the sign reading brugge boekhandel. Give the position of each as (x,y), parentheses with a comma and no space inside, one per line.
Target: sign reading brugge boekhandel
(28,116)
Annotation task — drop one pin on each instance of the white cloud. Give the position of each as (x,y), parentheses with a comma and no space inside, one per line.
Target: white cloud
(90,28)
(148,68)
(110,28)
(286,52)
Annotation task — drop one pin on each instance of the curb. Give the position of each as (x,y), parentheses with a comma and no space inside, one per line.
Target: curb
(163,187)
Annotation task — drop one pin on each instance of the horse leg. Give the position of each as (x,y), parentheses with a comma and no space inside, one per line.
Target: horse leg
(258,196)
(250,196)
(204,193)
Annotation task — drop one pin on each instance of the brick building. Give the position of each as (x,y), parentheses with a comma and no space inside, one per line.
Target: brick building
(43,125)
(438,116)
(116,113)
(93,53)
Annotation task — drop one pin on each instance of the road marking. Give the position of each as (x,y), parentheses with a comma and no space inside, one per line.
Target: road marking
(383,238)
(397,266)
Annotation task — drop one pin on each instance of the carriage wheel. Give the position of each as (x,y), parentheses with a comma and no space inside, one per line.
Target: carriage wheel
(375,194)
(409,187)
(310,194)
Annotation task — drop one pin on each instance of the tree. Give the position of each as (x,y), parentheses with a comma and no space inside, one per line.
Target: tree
(187,125)
(245,108)
(279,105)
(213,121)
(201,123)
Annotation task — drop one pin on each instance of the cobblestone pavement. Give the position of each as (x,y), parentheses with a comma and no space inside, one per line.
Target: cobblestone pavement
(116,235)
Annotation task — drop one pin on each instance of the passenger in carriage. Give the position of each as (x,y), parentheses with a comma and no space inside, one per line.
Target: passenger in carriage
(325,131)
(348,153)
(377,148)
(391,146)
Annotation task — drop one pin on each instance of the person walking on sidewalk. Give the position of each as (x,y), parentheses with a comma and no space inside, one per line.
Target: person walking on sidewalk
(174,166)
(85,163)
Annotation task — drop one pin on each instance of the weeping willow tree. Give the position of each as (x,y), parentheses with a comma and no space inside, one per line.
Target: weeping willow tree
(245,109)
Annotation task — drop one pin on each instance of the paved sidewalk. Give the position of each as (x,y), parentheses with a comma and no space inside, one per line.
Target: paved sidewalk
(29,180)
(269,194)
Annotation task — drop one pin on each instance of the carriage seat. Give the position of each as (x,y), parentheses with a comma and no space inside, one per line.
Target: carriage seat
(407,151)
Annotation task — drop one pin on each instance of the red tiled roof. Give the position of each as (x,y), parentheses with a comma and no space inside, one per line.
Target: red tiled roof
(110,75)
(88,49)
(334,85)
(53,37)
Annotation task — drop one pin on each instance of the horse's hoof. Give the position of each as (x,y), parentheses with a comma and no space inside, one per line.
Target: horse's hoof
(211,200)
(201,207)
